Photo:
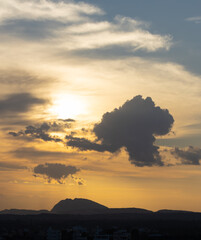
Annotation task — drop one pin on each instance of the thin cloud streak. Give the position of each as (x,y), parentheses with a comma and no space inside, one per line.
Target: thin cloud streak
(194,19)
(37,155)
(5,166)
(123,31)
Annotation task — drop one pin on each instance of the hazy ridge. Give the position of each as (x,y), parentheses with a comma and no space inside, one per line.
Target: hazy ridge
(89,208)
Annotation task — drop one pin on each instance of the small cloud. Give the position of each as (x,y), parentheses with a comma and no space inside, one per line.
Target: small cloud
(129,23)
(79,181)
(15,134)
(67,120)
(194,19)
(56,171)
(43,131)
(188,156)
(84,144)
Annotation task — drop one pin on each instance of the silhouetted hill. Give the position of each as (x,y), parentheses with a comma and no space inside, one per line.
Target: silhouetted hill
(178,214)
(84,206)
(78,206)
(90,209)
(22,212)
(168,211)
(128,210)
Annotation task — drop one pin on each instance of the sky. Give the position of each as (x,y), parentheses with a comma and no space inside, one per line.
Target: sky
(100,100)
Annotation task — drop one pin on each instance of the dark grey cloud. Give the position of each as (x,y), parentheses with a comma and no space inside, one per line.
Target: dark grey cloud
(60,125)
(188,156)
(33,133)
(67,120)
(4,166)
(43,130)
(55,171)
(40,155)
(133,126)
(19,103)
(84,144)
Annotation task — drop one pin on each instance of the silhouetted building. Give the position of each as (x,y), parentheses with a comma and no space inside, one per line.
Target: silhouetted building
(79,233)
(135,234)
(100,235)
(121,235)
(53,234)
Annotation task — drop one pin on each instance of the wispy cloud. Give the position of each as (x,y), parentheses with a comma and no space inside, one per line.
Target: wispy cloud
(77,26)
(122,31)
(46,10)
(5,166)
(37,155)
(194,19)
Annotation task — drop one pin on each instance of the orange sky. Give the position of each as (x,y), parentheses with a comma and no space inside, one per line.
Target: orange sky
(56,71)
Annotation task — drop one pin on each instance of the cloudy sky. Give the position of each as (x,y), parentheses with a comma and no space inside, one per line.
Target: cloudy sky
(100,100)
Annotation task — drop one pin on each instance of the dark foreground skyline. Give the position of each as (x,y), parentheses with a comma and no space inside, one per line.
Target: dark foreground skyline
(87,220)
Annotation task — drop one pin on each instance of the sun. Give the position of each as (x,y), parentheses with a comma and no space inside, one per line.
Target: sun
(68,106)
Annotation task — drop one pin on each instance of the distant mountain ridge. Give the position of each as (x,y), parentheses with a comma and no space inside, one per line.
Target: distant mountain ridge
(80,206)
(23,212)
(85,206)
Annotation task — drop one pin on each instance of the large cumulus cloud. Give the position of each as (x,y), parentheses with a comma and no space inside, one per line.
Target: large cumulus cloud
(133,126)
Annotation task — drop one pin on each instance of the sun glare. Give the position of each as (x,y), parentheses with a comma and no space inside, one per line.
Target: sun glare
(68,106)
